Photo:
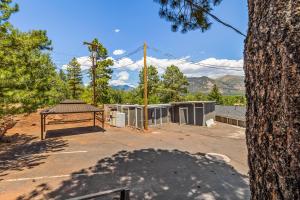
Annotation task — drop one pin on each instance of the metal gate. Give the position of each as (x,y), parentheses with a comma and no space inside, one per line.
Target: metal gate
(199,116)
(139,118)
(183,115)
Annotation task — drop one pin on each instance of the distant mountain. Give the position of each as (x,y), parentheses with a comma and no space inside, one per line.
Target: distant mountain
(122,87)
(228,84)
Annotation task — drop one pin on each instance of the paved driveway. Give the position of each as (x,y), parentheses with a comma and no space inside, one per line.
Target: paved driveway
(169,162)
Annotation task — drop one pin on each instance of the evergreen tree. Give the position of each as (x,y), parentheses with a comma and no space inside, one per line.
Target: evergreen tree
(6,9)
(153,84)
(272,79)
(215,95)
(103,73)
(62,75)
(28,78)
(74,78)
(174,85)
(199,96)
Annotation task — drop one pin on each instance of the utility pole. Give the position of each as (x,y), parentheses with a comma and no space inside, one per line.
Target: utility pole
(145,88)
(94,51)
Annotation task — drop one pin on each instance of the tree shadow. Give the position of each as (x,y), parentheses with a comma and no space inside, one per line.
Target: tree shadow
(73,131)
(153,174)
(25,151)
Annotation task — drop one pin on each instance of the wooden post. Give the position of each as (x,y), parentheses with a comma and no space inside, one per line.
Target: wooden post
(145,89)
(94,65)
(44,123)
(103,119)
(42,126)
(94,118)
(124,195)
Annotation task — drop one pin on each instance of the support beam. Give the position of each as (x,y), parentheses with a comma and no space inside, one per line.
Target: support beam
(136,119)
(94,120)
(194,114)
(42,127)
(103,120)
(125,195)
(44,122)
(160,116)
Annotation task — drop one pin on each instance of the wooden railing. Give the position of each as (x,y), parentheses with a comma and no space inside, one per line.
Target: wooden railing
(124,194)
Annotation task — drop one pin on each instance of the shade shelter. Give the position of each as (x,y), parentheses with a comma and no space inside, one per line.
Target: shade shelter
(70,107)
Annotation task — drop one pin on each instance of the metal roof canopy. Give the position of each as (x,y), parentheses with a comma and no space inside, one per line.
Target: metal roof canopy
(72,101)
(69,107)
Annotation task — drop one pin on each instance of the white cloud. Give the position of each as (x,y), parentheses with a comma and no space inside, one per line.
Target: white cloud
(117,30)
(211,67)
(119,52)
(122,78)
(126,63)
(84,61)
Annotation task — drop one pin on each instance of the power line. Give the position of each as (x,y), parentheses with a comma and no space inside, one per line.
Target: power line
(66,54)
(140,48)
(220,67)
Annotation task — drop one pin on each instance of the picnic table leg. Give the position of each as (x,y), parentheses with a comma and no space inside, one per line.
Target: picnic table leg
(94,119)
(103,119)
(44,123)
(42,126)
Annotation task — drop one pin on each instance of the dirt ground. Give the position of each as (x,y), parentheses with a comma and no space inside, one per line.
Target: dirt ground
(168,162)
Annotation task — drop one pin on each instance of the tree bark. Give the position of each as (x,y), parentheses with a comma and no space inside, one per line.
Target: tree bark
(272,68)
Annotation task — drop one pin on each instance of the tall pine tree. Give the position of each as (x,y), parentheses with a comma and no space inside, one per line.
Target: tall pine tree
(174,85)
(28,77)
(103,73)
(215,95)
(74,78)
(153,84)
(272,68)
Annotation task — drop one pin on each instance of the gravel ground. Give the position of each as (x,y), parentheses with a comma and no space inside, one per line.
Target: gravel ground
(168,162)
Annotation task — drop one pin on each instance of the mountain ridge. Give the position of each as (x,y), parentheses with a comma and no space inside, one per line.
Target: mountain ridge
(228,84)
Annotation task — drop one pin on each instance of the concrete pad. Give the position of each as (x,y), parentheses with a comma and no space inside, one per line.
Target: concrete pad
(168,162)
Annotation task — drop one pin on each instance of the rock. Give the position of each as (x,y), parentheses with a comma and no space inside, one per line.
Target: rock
(6,123)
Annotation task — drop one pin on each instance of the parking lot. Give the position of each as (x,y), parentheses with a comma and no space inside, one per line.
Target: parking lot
(168,162)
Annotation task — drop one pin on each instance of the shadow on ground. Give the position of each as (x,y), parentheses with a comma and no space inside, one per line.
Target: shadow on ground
(24,151)
(153,174)
(73,131)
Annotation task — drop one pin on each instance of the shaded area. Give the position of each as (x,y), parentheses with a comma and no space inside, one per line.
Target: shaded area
(153,174)
(24,151)
(73,131)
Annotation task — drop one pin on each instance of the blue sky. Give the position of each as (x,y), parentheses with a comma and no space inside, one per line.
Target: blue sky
(69,23)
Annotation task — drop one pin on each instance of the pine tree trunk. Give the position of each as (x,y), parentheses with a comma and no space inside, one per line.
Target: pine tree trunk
(272,67)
